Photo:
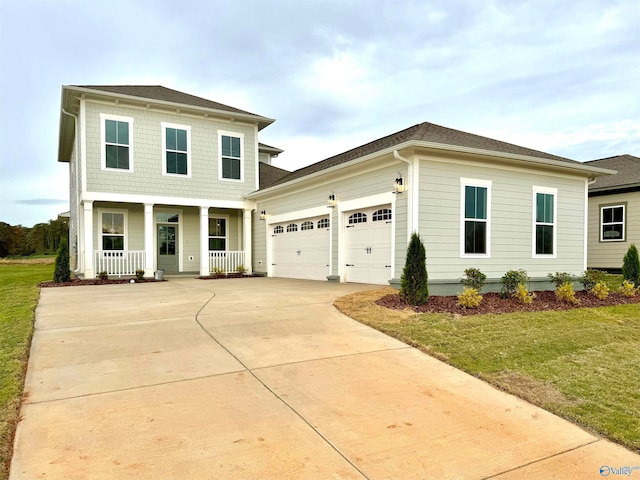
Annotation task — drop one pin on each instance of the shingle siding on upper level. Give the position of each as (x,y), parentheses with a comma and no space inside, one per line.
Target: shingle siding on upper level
(146,137)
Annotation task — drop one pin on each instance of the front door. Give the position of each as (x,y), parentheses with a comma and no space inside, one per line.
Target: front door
(168,248)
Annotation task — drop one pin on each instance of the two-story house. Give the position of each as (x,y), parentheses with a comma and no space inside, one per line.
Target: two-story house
(164,180)
(158,179)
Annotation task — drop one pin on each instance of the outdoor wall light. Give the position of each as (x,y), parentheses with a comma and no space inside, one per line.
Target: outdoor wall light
(398,185)
(331,203)
(263,215)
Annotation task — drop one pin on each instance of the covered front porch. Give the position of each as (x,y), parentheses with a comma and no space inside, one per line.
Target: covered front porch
(126,238)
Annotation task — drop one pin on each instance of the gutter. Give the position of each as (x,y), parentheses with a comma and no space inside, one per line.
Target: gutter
(575,167)
(75,129)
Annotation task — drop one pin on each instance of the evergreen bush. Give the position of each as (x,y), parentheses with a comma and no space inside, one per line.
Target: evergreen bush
(413,287)
(62,272)
(631,265)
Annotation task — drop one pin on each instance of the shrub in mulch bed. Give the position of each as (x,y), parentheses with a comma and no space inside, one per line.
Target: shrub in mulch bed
(223,276)
(78,282)
(493,303)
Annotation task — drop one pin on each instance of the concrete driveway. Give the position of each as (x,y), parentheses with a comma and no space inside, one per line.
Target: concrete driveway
(262,378)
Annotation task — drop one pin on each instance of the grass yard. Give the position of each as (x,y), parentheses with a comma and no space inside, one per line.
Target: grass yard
(19,294)
(581,364)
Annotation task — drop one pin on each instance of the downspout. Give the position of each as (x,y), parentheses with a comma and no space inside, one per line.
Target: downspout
(590,181)
(412,223)
(75,129)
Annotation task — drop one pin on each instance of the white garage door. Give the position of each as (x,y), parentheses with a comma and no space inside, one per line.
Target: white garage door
(368,245)
(301,249)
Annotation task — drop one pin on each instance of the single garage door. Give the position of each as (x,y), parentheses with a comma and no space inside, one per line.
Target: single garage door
(368,245)
(300,249)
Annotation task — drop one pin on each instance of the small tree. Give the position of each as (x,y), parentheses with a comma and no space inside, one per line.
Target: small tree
(413,287)
(62,273)
(631,265)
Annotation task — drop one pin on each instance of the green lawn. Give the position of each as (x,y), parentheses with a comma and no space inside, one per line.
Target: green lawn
(581,364)
(19,294)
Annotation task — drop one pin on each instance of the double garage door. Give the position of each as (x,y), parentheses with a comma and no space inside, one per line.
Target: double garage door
(301,248)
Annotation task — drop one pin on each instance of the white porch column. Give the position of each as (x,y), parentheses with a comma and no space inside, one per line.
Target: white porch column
(149,233)
(204,241)
(89,269)
(246,239)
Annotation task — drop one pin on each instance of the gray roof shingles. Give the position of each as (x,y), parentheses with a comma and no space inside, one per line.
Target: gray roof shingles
(427,132)
(158,92)
(628,175)
(269,175)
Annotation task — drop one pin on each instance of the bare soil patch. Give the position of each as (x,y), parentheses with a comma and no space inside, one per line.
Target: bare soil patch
(493,303)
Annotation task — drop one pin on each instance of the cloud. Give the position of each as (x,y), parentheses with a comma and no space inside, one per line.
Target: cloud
(42,201)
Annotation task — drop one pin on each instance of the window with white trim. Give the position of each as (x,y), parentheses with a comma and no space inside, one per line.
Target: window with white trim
(544,216)
(231,163)
(217,234)
(117,144)
(475,205)
(176,144)
(112,230)
(612,220)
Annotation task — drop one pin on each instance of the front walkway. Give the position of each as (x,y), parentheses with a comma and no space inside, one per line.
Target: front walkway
(262,378)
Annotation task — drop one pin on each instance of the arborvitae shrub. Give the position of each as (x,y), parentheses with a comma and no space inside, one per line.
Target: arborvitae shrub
(413,287)
(62,272)
(631,265)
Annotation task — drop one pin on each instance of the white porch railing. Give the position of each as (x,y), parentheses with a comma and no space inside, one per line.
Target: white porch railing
(118,262)
(226,262)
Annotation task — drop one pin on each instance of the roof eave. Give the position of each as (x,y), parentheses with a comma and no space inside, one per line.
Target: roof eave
(250,117)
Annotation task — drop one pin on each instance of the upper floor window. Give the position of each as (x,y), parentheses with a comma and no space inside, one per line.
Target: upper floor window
(113,230)
(476,217)
(612,219)
(176,143)
(544,214)
(231,163)
(117,145)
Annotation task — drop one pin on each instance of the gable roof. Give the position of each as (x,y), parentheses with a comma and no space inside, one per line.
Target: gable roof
(424,132)
(628,176)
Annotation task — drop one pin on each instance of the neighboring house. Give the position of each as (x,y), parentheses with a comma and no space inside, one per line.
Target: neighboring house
(165,180)
(614,212)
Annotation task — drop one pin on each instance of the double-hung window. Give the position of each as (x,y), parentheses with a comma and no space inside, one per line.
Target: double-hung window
(176,143)
(231,162)
(117,142)
(475,235)
(217,234)
(544,228)
(612,219)
(113,230)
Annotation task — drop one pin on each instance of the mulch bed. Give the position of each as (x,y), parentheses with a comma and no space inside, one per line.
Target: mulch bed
(222,277)
(77,282)
(492,303)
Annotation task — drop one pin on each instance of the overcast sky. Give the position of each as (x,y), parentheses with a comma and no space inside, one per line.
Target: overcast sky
(557,76)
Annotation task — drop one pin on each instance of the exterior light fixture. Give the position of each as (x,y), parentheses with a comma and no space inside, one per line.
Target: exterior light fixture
(331,203)
(398,185)
(263,215)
